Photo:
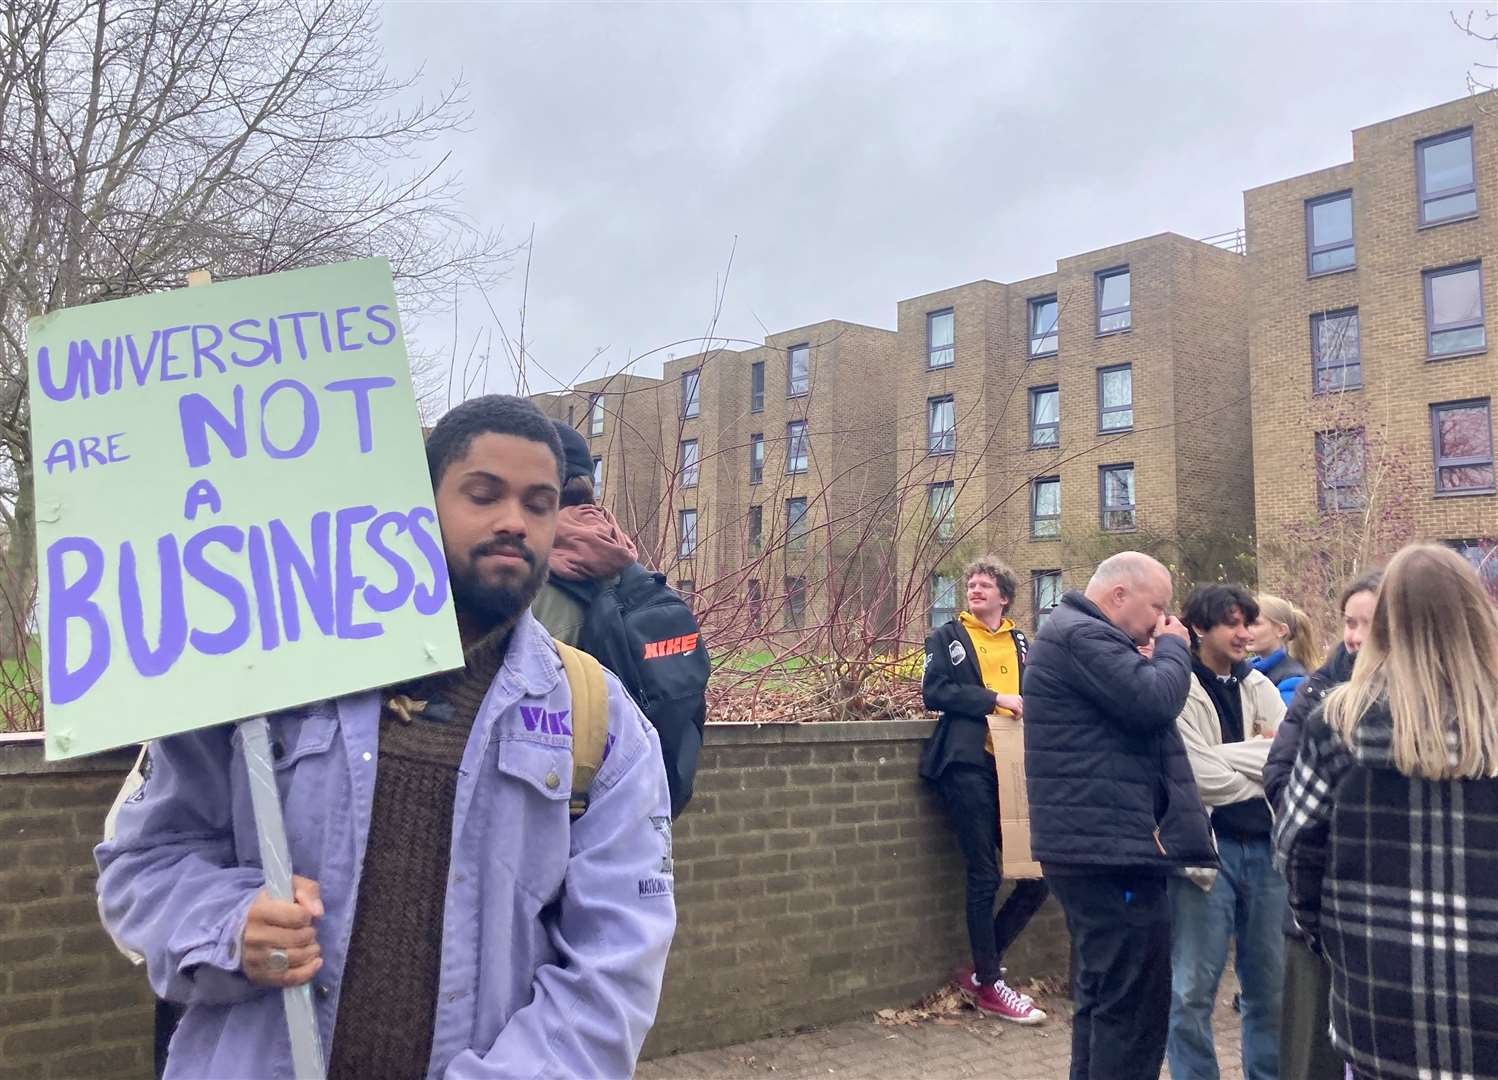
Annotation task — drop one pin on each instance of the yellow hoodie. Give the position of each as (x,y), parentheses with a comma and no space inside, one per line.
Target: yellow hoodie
(998,658)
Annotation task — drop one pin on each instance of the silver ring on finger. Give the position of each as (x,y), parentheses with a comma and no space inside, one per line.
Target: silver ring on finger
(278,961)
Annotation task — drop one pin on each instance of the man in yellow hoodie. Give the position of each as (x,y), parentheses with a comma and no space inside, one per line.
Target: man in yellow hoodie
(973,668)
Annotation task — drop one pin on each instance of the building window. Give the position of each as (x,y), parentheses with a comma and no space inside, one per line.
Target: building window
(686,533)
(1113,311)
(757,386)
(941,327)
(1453,311)
(598,478)
(795,447)
(943,600)
(798,371)
(571,414)
(1483,555)
(756,458)
(595,416)
(1446,179)
(1047,594)
(1117,497)
(795,524)
(941,425)
(689,462)
(756,529)
(1336,355)
(1045,506)
(1329,246)
(1339,470)
(1115,398)
(756,596)
(690,393)
(795,602)
(1043,329)
(686,588)
(940,500)
(1045,416)
(1462,432)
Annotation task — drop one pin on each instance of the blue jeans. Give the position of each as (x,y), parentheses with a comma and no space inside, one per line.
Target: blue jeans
(1246,904)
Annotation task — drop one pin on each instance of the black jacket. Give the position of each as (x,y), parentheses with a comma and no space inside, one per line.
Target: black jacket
(1287,737)
(1109,781)
(953,686)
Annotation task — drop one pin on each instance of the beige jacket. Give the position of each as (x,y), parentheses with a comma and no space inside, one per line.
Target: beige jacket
(1232,772)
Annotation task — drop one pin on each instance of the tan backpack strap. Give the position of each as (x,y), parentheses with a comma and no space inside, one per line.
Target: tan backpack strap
(590,720)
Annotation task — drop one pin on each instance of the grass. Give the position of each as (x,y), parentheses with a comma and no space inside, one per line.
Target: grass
(20,710)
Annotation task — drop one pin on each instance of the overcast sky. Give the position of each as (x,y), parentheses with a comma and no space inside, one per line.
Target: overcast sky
(851,155)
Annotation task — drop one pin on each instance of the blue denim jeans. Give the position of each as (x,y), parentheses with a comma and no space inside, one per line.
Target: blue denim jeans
(1246,904)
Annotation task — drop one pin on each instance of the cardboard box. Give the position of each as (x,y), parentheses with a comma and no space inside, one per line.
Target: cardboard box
(1014,800)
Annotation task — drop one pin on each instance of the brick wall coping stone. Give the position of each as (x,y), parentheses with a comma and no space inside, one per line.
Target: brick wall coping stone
(22,754)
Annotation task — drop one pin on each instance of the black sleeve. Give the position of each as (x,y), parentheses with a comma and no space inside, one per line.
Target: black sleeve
(1287,739)
(1139,695)
(944,694)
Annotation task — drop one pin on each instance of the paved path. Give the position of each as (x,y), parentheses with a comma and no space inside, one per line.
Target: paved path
(964,1044)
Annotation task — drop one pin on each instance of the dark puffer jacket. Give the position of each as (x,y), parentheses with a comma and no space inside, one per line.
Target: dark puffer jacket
(1109,781)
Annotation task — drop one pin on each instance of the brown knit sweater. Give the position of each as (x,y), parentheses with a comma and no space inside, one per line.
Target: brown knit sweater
(388,1003)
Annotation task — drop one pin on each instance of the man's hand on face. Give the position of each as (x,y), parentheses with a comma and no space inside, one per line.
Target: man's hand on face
(280,946)
(1169,624)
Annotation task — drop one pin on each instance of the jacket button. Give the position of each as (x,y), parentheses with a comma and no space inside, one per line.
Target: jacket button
(323,991)
(552,780)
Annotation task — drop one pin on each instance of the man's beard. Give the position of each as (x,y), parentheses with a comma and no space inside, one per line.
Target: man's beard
(500,602)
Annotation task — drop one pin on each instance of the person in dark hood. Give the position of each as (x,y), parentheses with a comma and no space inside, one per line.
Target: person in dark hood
(1305,1047)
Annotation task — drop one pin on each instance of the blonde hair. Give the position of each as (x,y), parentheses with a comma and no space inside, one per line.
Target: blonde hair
(1302,642)
(1432,651)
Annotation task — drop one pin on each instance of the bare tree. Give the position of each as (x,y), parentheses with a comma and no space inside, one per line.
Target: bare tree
(1482,76)
(140,139)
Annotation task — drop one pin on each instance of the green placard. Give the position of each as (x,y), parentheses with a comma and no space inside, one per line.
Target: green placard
(233,509)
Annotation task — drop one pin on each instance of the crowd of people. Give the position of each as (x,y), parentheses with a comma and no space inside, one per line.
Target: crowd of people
(1210,779)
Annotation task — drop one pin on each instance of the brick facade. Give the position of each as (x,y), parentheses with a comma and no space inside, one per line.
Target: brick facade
(1385,284)
(817,881)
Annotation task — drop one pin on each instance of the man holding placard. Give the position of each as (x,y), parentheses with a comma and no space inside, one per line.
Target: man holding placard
(472,898)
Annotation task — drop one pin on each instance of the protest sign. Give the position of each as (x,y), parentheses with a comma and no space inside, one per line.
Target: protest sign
(233,513)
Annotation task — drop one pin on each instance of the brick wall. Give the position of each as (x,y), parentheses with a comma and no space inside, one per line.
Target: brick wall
(816,881)
(70,1004)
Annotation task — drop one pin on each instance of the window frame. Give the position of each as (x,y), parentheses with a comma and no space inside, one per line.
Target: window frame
(1428,278)
(691,401)
(1098,279)
(757,458)
(1053,426)
(797,441)
(690,471)
(1036,518)
(943,527)
(754,541)
(684,549)
(595,416)
(950,350)
(1104,411)
(1313,249)
(754,596)
(757,386)
(1439,462)
(597,477)
(1319,366)
(1486,562)
(1424,195)
(1104,508)
(940,443)
(795,589)
(797,541)
(1329,497)
(932,609)
(1040,612)
(1031,310)
(790,370)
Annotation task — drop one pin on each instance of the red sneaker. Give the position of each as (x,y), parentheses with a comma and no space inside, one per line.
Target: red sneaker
(966,984)
(1002,1001)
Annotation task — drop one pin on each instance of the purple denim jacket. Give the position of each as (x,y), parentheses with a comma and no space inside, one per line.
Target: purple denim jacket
(555,932)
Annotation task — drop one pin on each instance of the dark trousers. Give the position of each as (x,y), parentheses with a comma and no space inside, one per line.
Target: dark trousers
(1306,1050)
(168,1013)
(1120,933)
(971,795)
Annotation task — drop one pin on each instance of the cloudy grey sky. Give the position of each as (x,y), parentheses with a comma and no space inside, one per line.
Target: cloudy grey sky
(851,155)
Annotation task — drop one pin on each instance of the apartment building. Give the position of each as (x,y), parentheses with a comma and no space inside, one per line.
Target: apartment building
(1054,420)
(1373,384)
(781,465)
